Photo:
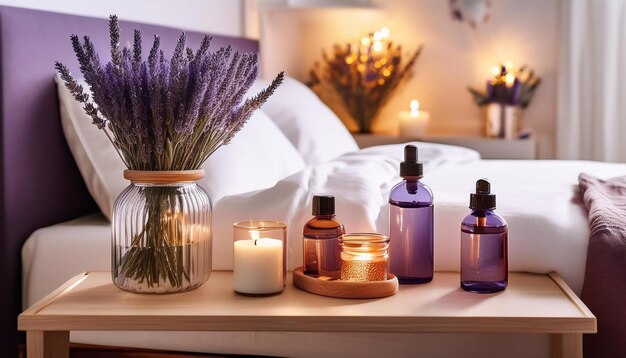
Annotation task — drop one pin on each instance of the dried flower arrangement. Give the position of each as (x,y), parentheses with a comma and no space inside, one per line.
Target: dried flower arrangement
(363,76)
(164,115)
(508,87)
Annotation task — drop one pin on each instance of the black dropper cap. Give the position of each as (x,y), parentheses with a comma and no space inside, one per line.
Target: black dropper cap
(323,205)
(482,199)
(410,167)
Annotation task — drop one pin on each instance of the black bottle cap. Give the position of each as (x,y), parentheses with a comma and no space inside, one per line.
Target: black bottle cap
(410,167)
(323,205)
(482,199)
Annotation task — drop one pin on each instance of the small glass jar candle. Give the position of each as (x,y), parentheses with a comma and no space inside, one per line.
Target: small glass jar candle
(259,257)
(364,257)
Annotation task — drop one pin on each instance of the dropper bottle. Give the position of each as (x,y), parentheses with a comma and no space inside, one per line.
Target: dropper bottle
(321,248)
(411,223)
(484,244)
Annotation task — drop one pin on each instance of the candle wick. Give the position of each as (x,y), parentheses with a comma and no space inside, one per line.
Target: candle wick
(255,243)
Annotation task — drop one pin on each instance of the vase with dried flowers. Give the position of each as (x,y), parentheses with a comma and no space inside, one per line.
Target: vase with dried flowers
(507,93)
(363,76)
(164,117)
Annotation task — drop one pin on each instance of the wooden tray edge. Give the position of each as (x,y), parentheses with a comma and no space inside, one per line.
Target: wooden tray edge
(342,289)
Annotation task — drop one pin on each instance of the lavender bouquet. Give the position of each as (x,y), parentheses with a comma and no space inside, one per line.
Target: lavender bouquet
(161,115)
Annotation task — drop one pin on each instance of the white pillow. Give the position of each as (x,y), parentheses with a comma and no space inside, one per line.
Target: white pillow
(257,158)
(313,128)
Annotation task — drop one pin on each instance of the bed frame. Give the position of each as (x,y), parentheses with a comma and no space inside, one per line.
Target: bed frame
(40,183)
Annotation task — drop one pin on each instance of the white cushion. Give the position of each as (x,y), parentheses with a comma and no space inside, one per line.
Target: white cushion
(316,132)
(257,158)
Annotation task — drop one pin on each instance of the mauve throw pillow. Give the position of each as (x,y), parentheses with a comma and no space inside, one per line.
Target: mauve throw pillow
(604,288)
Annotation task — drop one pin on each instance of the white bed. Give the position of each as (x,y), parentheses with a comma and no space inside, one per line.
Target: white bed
(539,200)
(548,232)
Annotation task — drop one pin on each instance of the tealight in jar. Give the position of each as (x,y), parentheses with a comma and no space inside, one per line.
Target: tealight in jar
(364,257)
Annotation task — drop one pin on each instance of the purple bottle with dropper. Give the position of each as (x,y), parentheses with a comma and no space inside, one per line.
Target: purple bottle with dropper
(411,224)
(484,244)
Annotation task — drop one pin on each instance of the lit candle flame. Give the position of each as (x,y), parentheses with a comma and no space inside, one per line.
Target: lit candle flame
(415,106)
(254,235)
(378,46)
(363,257)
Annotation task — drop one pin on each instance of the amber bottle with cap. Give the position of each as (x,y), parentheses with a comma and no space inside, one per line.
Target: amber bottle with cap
(321,240)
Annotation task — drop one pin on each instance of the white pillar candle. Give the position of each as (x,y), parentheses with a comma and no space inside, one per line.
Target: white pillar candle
(258,266)
(414,123)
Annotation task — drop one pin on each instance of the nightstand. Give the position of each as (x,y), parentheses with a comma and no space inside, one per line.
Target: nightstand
(531,304)
(489,148)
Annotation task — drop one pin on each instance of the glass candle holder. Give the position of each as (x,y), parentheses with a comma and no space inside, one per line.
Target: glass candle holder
(364,257)
(259,257)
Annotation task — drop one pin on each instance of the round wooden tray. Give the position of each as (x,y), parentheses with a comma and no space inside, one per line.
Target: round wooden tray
(345,289)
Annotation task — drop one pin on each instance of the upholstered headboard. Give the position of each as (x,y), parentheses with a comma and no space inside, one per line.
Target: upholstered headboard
(40,183)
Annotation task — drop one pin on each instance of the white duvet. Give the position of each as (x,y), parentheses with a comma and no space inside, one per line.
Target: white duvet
(539,199)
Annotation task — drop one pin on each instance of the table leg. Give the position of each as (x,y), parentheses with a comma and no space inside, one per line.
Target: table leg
(48,344)
(567,345)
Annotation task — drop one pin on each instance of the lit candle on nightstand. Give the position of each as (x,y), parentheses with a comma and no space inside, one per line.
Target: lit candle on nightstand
(414,123)
(258,265)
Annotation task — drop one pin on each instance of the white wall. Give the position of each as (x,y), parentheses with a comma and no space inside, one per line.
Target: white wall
(211,16)
(454,57)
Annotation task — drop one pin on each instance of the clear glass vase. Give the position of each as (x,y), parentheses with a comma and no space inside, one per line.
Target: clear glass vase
(161,233)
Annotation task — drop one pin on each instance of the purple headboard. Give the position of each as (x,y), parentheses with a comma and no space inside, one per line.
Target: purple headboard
(40,183)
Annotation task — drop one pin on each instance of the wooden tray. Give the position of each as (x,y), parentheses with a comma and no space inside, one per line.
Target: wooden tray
(344,289)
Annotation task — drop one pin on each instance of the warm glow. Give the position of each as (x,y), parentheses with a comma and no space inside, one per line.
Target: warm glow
(495,70)
(360,67)
(363,58)
(384,32)
(378,46)
(383,60)
(509,79)
(381,81)
(349,60)
(415,105)
(508,65)
(377,64)
(254,235)
(363,257)
(386,72)
(365,41)
(378,36)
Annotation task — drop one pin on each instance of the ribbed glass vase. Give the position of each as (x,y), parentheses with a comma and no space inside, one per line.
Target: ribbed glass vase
(161,232)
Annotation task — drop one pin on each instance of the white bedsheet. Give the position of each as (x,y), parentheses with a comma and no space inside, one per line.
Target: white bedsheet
(548,232)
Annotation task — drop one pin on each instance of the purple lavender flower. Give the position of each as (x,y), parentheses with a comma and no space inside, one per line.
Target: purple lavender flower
(165,114)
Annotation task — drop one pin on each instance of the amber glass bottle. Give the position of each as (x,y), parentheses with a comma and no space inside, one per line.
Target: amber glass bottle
(321,239)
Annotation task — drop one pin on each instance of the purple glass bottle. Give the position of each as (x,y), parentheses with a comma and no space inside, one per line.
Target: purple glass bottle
(484,244)
(411,224)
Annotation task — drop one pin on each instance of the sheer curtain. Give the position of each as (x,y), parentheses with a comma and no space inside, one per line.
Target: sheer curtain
(591,118)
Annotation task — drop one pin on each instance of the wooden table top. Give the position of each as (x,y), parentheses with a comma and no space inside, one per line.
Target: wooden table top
(532,303)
